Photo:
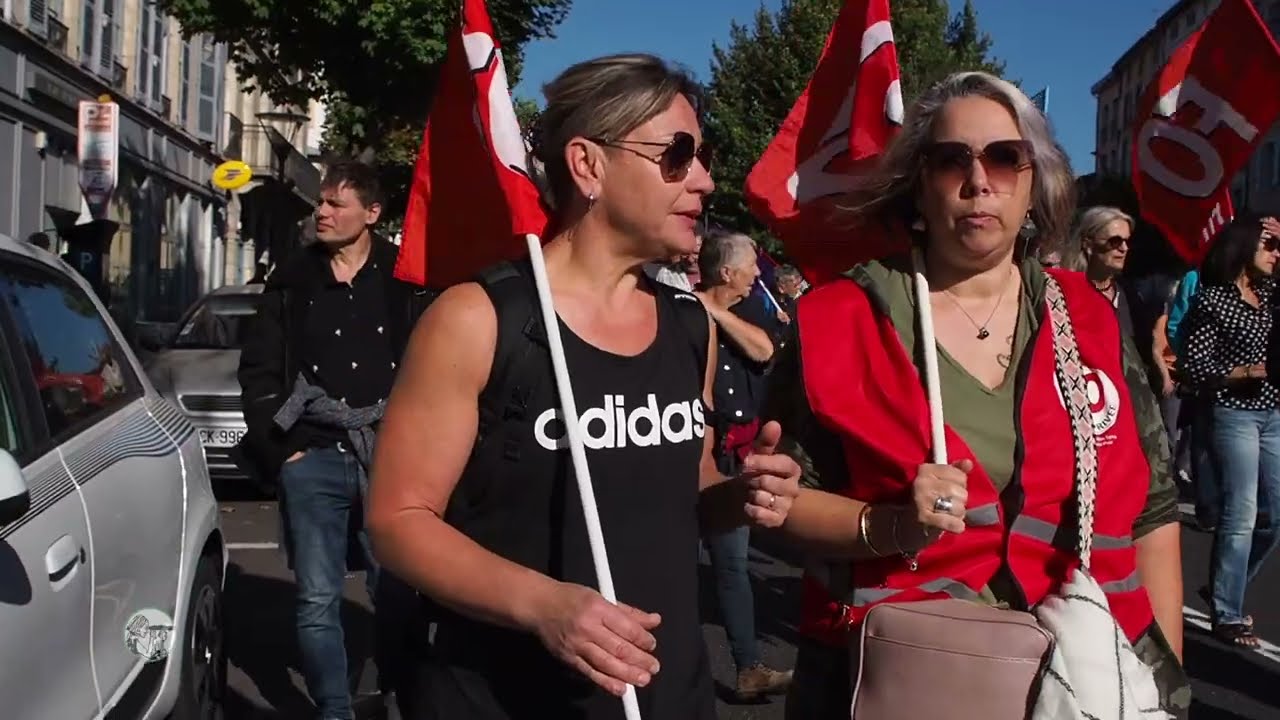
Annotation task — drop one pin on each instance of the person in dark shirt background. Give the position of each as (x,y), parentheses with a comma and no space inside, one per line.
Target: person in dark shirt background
(315,372)
(729,272)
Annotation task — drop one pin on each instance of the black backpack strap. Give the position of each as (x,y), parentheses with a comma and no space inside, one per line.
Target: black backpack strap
(518,357)
(694,320)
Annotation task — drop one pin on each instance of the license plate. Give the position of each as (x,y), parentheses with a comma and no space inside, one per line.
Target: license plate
(220,437)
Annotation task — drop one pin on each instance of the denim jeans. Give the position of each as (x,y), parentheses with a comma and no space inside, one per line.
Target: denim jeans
(321,497)
(733,588)
(1246,444)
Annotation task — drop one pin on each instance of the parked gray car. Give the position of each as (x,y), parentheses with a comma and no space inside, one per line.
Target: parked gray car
(111,556)
(195,368)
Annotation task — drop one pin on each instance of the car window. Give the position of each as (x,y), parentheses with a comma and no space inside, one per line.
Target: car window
(80,370)
(10,440)
(219,322)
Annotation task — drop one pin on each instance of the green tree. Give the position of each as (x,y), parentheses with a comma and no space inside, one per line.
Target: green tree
(374,62)
(759,75)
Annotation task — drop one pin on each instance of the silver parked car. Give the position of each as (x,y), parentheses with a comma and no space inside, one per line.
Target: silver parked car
(111,557)
(196,370)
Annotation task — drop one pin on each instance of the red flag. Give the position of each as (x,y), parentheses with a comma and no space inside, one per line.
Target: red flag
(1199,122)
(472,200)
(846,116)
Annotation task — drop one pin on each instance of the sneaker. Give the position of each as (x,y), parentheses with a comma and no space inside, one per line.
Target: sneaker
(759,680)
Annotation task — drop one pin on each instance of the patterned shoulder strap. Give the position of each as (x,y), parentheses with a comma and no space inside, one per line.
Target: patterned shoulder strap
(1075,390)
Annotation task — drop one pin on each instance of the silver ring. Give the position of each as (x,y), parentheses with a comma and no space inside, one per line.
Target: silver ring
(772,499)
(943,505)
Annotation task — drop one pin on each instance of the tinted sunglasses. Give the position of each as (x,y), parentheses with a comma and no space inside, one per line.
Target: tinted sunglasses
(1001,160)
(1270,243)
(674,160)
(1114,242)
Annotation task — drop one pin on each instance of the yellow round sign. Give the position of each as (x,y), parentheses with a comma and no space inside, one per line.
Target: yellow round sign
(232,174)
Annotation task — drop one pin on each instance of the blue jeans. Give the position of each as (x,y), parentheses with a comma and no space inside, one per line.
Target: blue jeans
(733,588)
(1246,444)
(321,495)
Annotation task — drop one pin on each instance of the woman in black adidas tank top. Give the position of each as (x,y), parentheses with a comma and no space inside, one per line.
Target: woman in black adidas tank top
(473,499)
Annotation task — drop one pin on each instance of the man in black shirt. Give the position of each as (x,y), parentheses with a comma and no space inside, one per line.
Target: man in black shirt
(315,374)
(729,272)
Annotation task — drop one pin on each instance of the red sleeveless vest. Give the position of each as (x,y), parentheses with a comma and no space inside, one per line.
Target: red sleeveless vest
(863,387)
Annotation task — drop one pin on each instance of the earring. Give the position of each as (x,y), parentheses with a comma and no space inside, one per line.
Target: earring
(918,225)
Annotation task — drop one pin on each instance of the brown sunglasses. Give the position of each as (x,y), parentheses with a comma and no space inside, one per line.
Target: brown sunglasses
(1114,242)
(1001,160)
(676,157)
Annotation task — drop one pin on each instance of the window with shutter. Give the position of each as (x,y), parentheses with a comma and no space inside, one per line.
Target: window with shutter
(38,17)
(89,34)
(109,28)
(159,35)
(143,73)
(184,87)
(151,53)
(207,91)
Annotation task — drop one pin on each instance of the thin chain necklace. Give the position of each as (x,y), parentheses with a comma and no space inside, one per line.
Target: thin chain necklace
(983,332)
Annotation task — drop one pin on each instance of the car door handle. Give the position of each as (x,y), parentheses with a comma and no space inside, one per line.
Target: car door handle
(62,561)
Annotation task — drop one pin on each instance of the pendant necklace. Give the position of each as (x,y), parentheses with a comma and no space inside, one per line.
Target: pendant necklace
(983,332)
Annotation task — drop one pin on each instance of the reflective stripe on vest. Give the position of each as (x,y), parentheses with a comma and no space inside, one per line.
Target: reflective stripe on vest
(1045,532)
(958,590)
(983,516)
(1123,585)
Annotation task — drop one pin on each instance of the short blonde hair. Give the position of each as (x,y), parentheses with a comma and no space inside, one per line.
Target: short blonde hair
(1090,225)
(889,192)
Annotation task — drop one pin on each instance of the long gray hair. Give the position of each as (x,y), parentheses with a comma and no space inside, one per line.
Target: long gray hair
(889,192)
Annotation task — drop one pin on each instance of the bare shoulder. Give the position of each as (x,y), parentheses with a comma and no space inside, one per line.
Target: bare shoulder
(456,337)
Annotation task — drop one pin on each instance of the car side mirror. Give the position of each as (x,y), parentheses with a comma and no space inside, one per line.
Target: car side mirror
(14,498)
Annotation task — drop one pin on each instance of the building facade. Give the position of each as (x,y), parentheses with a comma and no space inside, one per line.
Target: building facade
(182,112)
(1118,93)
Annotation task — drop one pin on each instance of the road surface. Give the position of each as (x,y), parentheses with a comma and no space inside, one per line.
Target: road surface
(1229,684)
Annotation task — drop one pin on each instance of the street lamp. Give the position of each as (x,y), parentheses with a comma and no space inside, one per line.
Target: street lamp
(282,133)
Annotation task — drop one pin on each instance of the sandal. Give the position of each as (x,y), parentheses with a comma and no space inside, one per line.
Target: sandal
(1207,596)
(1237,634)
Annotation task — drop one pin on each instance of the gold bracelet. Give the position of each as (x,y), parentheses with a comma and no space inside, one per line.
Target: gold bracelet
(863,530)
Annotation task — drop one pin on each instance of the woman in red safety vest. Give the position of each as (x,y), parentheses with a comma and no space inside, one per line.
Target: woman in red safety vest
(974,165)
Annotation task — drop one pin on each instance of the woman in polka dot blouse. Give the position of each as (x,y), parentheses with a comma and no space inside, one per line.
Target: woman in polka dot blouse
(1228,330)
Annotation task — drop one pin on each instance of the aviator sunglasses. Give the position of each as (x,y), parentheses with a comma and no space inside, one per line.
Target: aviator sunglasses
(674,160)
(1001,160)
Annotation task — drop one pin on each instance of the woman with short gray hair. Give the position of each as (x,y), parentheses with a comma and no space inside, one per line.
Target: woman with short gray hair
(975,161)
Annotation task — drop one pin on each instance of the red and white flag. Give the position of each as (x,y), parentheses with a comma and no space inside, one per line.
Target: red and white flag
(1200,121)
(472,200)
(848,113)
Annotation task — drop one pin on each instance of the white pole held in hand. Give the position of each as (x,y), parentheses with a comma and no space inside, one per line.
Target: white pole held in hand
(577,450)
(928,343)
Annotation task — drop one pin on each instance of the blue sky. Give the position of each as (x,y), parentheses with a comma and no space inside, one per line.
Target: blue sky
(1067,46)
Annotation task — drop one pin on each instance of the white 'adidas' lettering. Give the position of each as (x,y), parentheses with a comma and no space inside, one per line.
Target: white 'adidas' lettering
(613,426)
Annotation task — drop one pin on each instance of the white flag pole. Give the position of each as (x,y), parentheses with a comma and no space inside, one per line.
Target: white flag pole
(768,294)
(928,343)
(577,450)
